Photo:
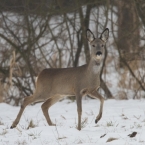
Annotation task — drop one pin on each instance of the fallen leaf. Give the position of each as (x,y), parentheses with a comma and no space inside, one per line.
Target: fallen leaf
(111,139)
(133,134)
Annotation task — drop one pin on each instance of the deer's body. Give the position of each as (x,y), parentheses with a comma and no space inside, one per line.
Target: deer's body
(54,84)
(91,79)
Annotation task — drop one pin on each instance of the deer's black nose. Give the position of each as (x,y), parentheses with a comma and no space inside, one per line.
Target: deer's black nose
(99,53)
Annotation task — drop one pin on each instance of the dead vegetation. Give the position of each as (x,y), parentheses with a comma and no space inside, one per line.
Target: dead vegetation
(83,123)
(46,40)
(32,124)
(111,139)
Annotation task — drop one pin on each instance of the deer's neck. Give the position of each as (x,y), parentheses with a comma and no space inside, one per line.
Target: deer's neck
(95,67)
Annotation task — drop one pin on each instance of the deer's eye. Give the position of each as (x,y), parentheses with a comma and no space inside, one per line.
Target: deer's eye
(93,45)
(102,45)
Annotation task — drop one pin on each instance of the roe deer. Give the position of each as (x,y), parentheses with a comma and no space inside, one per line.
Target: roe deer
(55,83)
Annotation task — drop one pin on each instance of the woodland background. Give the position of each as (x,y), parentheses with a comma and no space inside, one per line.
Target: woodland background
(38,34)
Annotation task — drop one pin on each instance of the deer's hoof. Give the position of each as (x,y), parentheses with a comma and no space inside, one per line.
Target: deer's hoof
(96,121)
(11,127)
(79,128)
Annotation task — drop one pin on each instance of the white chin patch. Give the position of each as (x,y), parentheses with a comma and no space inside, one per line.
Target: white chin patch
(98,57)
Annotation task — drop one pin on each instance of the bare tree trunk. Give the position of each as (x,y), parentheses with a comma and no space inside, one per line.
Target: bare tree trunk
(128,29)
(128,45)
(84,20)
(140,5)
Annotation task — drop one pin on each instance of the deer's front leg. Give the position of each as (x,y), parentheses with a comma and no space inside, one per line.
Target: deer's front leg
(79,109)
(95,94)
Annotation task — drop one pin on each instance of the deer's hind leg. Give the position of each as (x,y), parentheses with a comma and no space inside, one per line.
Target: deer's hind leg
(79,109)
(45,107)
(26,101)
(95,95)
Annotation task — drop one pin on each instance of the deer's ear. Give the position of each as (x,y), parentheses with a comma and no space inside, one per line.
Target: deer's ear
(89,35)
(105,34)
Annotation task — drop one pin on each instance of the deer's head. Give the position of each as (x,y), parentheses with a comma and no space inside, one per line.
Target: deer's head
(97,44)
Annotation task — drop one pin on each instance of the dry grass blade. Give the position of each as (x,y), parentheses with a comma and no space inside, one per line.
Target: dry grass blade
(63,117)
(18,129)
(4,132)
(21,142)
(111,139)
(102,136)
(110,124)
(83,123)
(137,117)
(1,123)
(31,125)
(62,137)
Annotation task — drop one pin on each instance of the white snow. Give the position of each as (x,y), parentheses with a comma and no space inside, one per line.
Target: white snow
(120,118)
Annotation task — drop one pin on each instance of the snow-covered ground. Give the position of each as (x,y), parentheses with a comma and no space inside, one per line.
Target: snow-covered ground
(120,118)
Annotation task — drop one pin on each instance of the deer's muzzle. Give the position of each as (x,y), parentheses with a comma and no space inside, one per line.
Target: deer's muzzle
(99,55)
